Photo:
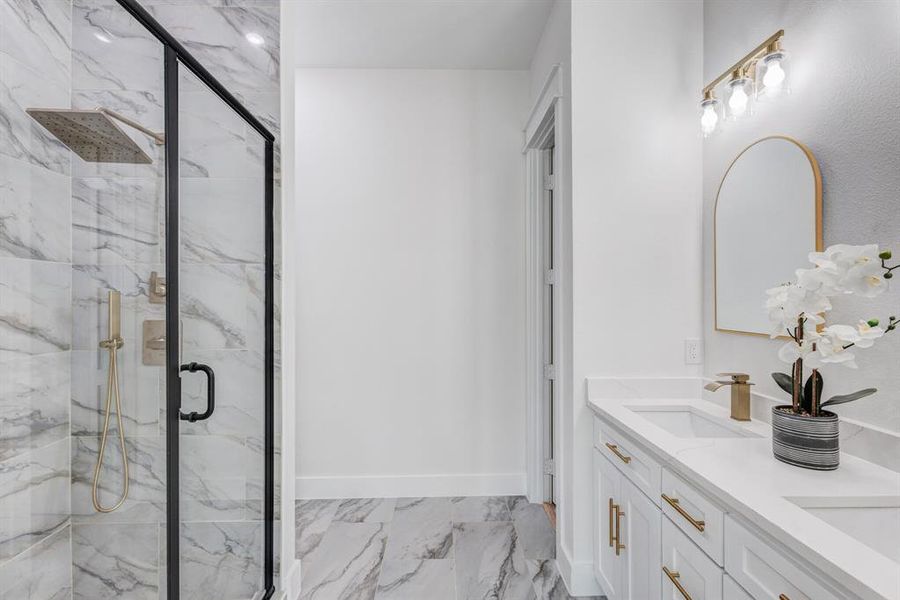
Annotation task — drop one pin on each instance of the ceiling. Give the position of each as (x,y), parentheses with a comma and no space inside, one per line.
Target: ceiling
(413,34)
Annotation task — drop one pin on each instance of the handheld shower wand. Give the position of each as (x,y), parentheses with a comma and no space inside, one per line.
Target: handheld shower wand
(112,345)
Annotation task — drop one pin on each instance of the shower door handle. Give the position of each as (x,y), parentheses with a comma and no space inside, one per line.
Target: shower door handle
(210,392)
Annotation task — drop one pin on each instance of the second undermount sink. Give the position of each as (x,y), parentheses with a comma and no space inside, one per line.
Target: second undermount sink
(688,422)
(873,521)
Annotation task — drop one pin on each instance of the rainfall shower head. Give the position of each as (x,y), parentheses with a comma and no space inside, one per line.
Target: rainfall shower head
(93,135)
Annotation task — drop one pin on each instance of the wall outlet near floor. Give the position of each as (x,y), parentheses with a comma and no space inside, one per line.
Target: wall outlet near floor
(693,352)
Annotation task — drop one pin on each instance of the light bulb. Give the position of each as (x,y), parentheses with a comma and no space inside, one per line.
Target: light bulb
(775,75)
(709,119)
(738,100)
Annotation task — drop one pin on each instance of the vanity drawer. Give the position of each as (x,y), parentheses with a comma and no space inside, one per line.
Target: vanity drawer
(633,462)
(685,565)
(732,591)
(763,571)
(697,517)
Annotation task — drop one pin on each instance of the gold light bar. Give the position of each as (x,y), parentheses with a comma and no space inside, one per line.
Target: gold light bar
(743,66)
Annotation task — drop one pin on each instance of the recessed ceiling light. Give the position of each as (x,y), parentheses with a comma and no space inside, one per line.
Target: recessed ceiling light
(255,39)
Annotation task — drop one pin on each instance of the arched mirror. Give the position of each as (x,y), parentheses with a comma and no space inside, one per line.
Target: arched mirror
(768,219)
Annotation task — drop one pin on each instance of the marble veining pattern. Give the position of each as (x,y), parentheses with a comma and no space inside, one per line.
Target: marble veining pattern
(358,549)
(35,213)
(43,572)
(115,562)
(34,497)
(35,399)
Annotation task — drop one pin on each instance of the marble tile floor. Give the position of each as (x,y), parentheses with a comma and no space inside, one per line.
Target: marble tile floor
(473,548)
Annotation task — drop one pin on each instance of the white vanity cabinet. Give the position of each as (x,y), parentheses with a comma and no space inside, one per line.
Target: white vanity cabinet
(626,536)
(657,535)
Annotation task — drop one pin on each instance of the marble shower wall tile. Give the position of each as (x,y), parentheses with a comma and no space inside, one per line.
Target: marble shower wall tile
(21,137)
(221,561)
(116,561)
(215,471)
(34,497)
(215,36)
(34,402)
(39,34)
(222,220)
(35,212)
(35,310)
(139,388)
(43,572)
(112,51)
(146,501)
(117,220)
(222,306)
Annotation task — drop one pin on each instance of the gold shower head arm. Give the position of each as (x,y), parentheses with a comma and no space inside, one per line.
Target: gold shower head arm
(160,138)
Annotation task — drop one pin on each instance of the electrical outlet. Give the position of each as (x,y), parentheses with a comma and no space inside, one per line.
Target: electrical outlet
(693,352)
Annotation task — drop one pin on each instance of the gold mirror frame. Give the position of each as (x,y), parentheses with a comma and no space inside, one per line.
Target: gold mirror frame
(820,244)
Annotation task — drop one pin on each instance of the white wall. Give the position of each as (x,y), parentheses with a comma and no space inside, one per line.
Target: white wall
(410,273)
(636,200)
(845,105)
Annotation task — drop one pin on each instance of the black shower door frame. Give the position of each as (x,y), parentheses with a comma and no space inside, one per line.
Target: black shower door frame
(175,55)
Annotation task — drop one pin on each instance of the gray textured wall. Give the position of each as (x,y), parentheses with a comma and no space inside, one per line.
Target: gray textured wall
(845,106)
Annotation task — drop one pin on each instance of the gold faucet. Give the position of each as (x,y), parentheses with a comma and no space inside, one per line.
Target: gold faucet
(740,393)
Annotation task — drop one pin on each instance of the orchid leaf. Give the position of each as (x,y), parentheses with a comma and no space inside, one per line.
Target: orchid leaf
(849,397)
(808,401)
(785,382)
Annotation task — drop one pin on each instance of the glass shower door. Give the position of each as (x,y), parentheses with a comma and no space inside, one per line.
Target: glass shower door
(221,293)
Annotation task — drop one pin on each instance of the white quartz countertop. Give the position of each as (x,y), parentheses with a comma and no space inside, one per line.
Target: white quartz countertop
(743,475)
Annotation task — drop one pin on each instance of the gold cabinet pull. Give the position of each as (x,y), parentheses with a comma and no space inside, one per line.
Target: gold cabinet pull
(674,503)
(783,597)
(619,545)
(612,510)
(673,577)
(615,450)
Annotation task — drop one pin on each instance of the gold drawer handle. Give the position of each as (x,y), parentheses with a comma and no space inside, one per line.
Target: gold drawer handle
(674,503)
(783,597)
(612,512)
(673,577)
(619,545)
(615,450)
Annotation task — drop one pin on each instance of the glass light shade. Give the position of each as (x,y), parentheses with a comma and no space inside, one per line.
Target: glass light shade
(710,116)
(773,75)
(739,98)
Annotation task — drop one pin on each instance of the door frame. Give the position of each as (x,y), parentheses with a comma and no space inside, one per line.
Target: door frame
(545,125)
(176,56)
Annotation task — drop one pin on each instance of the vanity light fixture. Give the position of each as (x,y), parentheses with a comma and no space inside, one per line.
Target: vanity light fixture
(762,73)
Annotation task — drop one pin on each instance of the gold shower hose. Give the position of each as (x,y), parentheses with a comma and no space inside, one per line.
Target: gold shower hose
(112,388)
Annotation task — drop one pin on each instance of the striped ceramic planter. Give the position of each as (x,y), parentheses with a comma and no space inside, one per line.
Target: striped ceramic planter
(804,441)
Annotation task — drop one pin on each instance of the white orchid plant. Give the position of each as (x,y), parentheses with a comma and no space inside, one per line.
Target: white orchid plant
(799,309)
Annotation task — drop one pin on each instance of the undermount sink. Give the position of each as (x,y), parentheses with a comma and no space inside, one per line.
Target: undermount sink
(873,521)
(688,422)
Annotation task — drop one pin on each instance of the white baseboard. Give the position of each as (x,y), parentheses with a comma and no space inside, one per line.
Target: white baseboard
(578,576)
(410,486)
